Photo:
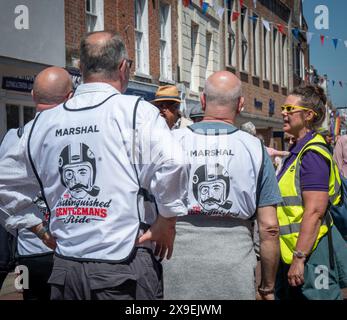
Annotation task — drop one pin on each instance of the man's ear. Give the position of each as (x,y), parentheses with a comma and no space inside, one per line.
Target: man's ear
(32,94)
(122,70)
(70,95)
(240,106)
(123,66)
(203,101)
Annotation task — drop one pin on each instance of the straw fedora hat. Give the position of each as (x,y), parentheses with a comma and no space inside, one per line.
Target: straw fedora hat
(167,93)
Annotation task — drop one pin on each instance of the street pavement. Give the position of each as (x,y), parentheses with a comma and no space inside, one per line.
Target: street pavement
(9,292)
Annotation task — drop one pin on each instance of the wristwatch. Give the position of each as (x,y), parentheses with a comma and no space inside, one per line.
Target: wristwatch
(299,254)
(41,232)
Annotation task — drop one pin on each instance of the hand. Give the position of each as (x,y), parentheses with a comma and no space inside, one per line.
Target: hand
(296,272)
(49,241)
(163,232)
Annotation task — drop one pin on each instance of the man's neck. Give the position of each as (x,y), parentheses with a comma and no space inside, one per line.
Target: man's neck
(220,117)
(114,83)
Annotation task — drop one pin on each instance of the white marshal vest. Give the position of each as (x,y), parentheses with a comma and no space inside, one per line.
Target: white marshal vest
(83,160)
(28,244)
(224,171)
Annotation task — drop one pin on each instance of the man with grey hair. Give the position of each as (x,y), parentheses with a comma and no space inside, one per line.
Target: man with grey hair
(83,157)
(231,181)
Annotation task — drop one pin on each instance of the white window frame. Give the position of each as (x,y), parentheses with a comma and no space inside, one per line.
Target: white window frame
(21,108)
(284,61)
(302,65)
(209,54)
(165,50)
(244,41)
(141,37)
(230,38)
(256,46)
(275,56)
(266,55)
(95,13)
(194,72)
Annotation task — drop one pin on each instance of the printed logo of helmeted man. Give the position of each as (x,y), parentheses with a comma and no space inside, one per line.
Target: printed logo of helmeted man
(78,170)
(211,186)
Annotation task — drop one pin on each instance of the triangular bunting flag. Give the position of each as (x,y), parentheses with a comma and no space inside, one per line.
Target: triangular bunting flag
(204,7)
(186,3)
(280,28)
(322,39)
(345,42)
(253,18)
(235,16)
(340,82)
(333,82)
(220,12)
(335,41)
(309,36)
(296,33)
(255,3)
(266,25)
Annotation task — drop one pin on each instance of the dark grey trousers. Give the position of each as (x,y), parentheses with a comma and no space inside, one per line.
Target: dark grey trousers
(139,278)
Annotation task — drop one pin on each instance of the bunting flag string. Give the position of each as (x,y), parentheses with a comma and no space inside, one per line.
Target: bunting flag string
(205,5)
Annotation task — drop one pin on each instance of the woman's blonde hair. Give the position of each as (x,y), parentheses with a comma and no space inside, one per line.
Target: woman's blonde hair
(314,98)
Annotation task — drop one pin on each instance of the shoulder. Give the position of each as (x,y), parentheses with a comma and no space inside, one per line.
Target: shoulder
(313,161)
(179,134)
(145,108)
(185,122)
(14,137)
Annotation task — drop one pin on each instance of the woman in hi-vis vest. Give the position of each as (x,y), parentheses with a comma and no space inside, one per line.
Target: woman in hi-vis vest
(308,181)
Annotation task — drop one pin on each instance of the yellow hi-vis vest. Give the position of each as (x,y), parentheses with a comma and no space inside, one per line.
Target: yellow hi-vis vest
(290,212)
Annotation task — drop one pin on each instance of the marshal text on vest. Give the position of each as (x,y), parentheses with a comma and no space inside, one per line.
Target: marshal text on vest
(77,130)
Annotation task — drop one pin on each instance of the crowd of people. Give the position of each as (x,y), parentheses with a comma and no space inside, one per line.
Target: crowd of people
(110,196)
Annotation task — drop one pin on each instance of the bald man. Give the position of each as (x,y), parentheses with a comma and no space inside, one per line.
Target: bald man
(52,86)
(231,181)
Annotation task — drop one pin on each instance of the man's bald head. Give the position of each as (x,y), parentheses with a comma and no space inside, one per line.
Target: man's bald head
(101,54)
(223,89)
(51,87)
